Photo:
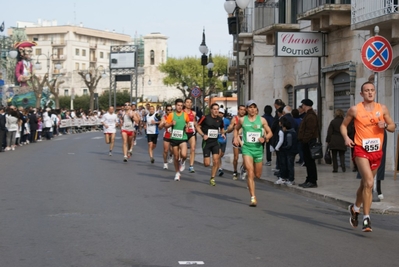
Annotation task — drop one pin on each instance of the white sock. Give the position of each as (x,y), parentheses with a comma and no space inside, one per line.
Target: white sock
(365,217)
(356,208)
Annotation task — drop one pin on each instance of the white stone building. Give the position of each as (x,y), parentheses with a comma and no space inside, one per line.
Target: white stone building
(346,24)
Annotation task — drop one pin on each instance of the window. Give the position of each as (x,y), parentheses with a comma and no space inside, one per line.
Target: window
(152,57)
(83,66)
(76,66)
(77,51)
(85,92)
(38,51)
(66,92)
(101,54)
(306,91)
(83,53)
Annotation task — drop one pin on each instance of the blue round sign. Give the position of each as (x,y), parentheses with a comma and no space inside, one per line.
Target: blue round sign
(196,92)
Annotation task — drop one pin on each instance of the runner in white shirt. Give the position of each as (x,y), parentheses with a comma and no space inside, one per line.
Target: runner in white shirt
(110,122)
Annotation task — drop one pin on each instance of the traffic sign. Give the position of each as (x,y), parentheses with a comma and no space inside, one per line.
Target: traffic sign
(196,92)
(377,53)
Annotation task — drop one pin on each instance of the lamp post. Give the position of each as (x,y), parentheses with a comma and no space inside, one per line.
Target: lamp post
(6,51)
(204,61)
(224,82)
(209,66)
(233,6)
(38,65)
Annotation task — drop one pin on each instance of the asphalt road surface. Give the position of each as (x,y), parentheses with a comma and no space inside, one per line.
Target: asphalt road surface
(66,203)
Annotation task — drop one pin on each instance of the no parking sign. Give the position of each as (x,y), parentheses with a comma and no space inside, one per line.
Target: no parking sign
(377,53)
(196,92)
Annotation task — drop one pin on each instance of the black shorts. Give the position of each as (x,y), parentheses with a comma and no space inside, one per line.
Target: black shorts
(210,147)
(177,142)
(152,138)
(223,146)
(189,135)
(166,139)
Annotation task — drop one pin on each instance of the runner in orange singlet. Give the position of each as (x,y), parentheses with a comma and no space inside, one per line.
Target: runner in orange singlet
(190,130)
(370,120)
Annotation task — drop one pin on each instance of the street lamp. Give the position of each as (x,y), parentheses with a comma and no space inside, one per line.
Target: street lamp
(38,65)
(204,61)
(233,6)
(5,50)
(209,66)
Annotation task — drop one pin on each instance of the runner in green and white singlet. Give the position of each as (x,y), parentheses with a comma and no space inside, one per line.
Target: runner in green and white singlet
(256,131)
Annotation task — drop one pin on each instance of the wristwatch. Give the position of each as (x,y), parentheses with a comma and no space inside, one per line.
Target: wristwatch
(385,125)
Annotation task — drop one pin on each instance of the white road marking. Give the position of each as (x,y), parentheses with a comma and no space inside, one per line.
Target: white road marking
(97,137)
(191,263)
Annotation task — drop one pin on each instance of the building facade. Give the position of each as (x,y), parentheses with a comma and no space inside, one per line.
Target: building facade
(332,81)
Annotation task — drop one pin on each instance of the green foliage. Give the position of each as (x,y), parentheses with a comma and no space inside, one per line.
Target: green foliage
(189,71)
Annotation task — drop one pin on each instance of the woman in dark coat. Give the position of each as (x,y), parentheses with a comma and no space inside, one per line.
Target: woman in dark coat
(335,141)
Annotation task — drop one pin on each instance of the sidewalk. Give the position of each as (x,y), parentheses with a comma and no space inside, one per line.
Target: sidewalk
(335,188)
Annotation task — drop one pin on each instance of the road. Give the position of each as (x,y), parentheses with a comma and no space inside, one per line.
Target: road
(65,202)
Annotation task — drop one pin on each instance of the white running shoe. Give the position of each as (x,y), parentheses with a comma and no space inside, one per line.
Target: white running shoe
(280,181)
(177,177)
(165,166)
(135,143)
(170,159)
(182,165)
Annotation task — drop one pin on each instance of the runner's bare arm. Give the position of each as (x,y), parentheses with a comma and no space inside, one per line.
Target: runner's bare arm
(350,115)
(389,124)
(237,128)
(231,126)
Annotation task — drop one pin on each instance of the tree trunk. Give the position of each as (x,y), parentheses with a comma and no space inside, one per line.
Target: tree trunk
(38,98)
(92,99)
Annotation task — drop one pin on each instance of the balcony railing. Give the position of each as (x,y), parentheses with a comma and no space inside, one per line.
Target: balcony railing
(306,5)
(268,13)
(363,10)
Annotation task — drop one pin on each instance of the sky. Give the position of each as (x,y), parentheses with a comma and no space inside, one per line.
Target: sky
(182,21)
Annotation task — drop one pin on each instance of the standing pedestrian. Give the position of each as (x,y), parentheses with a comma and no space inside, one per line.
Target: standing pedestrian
(370,120)
(3,128)
(335,141)
(307,135)
(269,118)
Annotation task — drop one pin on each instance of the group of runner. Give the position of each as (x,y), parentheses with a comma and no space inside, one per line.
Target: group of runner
(251,132)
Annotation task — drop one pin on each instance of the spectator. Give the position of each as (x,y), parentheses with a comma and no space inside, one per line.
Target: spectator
(269,118)
(12,128)
(298,120)
(3,129)
(288,151)
(33,125)
(335,141)
(307,135)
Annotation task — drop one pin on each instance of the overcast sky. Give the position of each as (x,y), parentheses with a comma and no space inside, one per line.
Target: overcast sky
(181,20)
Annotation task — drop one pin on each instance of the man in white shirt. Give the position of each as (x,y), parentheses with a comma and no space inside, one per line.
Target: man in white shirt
(110,121)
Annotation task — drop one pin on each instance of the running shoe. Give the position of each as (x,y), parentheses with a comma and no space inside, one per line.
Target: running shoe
(177,177)
(242,171)
(170,159)
(110,154)
(152,160)
(165,166)
(191,169)
(353,219)
(182,165)
(280,181)
(268,163)
(235,176)
(125,159)
(244,175)
(135,143)
(212,182)
(367,225)
(129,153)
(288,182)
(253,202)
(220,172)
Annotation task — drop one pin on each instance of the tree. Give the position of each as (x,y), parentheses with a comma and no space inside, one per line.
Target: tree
(37,85)
(54,87)
(91,78)
(189,71)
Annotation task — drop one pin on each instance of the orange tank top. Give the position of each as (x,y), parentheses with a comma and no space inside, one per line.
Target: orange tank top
(368,134)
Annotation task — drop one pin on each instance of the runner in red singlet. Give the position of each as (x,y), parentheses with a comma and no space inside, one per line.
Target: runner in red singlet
(166,138)
(190,130)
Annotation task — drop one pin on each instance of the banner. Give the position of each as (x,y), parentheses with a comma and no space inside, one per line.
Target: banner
(79,122)
(299,44)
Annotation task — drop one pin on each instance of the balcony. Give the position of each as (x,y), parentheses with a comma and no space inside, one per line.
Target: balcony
(270,18)
(59,57)
(325,15)
(60,43)
(366,14)
(93,59)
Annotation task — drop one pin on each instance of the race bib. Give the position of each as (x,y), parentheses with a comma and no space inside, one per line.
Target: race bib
(253,137)
(128,124)
(178,134)
(371,144)
(191,125)
(213,133)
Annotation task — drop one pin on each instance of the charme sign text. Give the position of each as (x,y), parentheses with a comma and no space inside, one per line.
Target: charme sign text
(299,44)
